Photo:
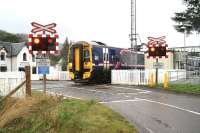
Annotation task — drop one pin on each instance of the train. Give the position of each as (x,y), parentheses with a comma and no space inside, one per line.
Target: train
(92,62)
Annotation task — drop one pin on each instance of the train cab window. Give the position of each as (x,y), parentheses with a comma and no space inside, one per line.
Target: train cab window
(86,55)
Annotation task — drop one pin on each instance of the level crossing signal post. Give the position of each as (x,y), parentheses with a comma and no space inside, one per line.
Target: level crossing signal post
(42,43)
(157,48)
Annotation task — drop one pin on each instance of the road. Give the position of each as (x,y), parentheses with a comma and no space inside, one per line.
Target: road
(151,111)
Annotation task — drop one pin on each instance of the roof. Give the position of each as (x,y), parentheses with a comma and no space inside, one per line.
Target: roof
(13,49)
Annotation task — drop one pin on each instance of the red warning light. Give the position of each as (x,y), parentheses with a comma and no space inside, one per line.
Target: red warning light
(50,40)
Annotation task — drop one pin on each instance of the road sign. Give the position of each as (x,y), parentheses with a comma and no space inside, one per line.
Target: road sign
(159,40)
(39,27)
(158,65)
(43,62)
(43,69)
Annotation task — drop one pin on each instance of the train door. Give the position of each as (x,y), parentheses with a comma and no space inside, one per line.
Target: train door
(77,59)
(105,59)
(78,62)
(106,64)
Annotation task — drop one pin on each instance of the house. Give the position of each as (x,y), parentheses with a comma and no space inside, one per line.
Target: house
(15,56)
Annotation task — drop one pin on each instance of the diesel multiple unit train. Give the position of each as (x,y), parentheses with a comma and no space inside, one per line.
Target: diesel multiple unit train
(93,62)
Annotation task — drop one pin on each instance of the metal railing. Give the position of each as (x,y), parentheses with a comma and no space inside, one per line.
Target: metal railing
(142,77)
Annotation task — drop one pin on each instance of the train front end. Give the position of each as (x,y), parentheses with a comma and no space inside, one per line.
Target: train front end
(80,62)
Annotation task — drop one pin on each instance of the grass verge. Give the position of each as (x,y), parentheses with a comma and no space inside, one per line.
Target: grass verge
(47,114)
(182,88)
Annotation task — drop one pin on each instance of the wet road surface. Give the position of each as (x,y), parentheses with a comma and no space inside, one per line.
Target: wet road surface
(151,111)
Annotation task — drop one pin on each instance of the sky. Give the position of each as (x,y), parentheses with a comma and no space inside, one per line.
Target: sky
(107,21)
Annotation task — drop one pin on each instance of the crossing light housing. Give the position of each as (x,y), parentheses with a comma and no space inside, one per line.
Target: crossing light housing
(43,43)
(157,50)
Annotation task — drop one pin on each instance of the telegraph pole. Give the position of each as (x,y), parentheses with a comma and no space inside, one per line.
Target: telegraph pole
(133,35)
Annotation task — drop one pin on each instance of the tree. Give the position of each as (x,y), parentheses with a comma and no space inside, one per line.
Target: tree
(64,54)
(8,37)
(62,57)
(14,38)
(22,37)
(188,20)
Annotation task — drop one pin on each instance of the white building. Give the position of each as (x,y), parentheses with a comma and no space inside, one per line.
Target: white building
(15,56)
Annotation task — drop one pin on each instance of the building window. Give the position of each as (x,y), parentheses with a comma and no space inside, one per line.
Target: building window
(24,57)
(2,56)
(34,70)
(3,69)
(21,69)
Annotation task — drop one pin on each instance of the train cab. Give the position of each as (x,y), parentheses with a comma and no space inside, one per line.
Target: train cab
(80,61)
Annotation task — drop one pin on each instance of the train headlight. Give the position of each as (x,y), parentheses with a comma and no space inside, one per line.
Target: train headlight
(86,75)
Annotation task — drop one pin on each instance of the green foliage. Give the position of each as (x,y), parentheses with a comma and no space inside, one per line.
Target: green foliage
(54,115)
(64,53)
(8,37)
(185,88)
(22,37)
(54,59)
(182,88)
(189,19)
(14,38)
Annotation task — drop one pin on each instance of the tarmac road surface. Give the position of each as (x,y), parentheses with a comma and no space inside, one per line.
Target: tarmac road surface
(151,111)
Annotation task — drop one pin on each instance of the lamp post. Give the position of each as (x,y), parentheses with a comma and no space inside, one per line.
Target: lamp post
(183,27)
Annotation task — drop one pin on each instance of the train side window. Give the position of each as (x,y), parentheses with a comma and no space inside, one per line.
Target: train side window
(96,57)
(112,55)
(116,58)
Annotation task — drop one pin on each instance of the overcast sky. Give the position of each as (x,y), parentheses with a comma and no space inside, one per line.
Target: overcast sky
(101,20)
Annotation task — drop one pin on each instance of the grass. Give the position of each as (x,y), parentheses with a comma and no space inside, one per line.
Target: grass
(47,114)
(183,88)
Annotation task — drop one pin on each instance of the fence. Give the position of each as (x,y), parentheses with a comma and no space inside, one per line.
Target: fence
(10,80)
(55,75)
(59,75)
(141,77)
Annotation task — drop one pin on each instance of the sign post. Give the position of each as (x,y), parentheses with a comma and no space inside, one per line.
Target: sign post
(157,49)
(43,64)
(156,71)
(28,80)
